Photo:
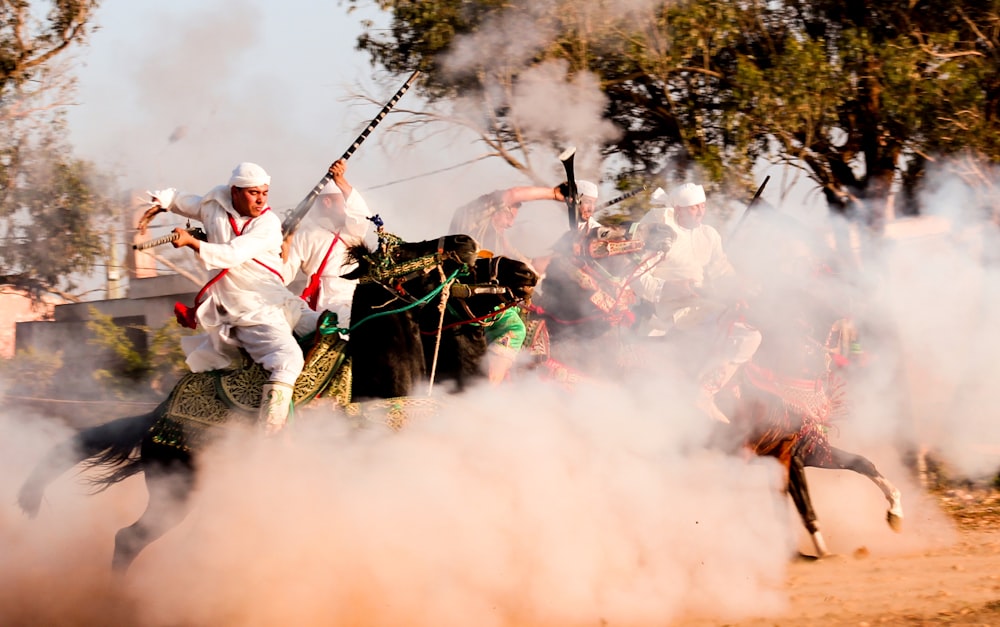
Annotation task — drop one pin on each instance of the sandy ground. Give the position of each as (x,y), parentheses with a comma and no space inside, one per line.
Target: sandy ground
(955,579)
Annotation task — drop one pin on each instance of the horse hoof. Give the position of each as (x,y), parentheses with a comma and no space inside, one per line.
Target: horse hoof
(895,521)
(804,557)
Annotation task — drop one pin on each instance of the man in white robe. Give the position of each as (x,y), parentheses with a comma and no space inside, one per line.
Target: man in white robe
(338,219)
(246,303)
(691,287)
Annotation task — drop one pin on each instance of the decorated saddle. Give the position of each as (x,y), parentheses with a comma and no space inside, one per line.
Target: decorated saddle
(202,402)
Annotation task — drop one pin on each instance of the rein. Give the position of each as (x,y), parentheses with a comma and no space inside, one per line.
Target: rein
(476,319)
(416,303)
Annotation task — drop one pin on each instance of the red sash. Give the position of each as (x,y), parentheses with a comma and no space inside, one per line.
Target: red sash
(187,316)
(311,293)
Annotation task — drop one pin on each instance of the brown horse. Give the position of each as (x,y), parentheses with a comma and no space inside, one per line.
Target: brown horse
(782,403)
(786,411)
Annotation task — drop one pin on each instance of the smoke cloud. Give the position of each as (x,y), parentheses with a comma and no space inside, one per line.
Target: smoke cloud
(520,505)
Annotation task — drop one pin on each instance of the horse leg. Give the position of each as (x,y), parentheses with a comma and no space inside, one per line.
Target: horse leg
(169,483)
(799,491)
(844,460)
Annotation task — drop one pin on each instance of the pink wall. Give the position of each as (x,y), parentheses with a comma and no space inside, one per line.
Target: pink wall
(16,307)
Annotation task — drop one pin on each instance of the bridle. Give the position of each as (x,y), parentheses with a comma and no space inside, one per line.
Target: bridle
(386,272)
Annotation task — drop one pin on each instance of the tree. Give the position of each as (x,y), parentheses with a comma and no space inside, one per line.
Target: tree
(862,96)
(50,202)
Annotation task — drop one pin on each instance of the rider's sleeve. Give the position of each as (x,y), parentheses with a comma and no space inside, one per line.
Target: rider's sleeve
(649,287)
(357,214)
(507,330)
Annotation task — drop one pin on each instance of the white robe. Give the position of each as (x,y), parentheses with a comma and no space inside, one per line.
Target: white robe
(251,294)
(309,246)
(696,255)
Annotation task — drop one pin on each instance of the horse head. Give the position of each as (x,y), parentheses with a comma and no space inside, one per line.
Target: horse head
(455,337)
(395,281)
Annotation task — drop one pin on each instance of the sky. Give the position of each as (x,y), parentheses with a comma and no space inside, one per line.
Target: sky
(176,94)
(595,506)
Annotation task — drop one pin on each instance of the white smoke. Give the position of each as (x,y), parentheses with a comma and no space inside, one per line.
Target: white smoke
(515,506)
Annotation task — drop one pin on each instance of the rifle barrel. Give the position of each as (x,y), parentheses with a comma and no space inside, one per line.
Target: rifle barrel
(292,221)
(153,243)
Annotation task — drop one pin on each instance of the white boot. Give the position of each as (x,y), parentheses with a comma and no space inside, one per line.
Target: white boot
(275,403)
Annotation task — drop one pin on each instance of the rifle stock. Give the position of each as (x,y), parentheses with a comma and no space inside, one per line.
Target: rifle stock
(291,223)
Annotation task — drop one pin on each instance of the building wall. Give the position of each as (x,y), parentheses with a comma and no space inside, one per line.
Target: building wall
(16,307)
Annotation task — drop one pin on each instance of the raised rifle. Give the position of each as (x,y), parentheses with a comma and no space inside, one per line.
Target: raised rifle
(572,202)
(625,196)
(750,205)
(291,223)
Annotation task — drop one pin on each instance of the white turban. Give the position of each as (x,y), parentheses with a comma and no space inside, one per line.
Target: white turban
(587,188)
(688,194)
(330,188)
(249,174)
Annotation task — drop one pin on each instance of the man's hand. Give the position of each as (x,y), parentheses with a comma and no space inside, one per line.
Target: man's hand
(286,245)
(184,238)
(339,172)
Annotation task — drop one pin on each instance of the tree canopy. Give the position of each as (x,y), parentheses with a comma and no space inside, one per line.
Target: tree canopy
(51,204)
(860,95)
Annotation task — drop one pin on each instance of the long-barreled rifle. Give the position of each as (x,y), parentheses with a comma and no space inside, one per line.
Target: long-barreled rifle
(196,232)
(625,196)
(572,202)
(753,201)
(290,223)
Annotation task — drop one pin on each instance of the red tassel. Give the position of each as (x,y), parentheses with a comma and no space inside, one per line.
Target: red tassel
(185,316)
(311,293)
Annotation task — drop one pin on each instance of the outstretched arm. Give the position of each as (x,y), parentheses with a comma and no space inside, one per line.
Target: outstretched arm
(516,195)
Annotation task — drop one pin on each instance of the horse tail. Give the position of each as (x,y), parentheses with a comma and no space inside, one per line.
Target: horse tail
(111,445)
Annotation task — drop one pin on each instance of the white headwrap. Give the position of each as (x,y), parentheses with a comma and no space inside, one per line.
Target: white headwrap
(688,194)
(330,188)
(587,188)
(249,174)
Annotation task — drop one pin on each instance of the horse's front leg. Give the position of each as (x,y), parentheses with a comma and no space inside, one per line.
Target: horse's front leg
(798,489)
(169,483)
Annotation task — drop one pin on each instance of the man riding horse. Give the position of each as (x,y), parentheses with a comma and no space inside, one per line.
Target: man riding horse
(691,288)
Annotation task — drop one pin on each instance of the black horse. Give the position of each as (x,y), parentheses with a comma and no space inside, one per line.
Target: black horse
(455,338)
(387,360)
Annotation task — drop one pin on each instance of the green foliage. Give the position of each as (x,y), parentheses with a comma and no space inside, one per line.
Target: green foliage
(51,204)
(856,93)
(28,44)
(34,371)
(52,219)
(160,365)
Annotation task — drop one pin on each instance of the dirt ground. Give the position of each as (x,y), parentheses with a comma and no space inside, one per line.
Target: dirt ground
(957,583)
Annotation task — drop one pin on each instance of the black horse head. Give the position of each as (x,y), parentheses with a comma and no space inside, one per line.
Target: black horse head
(395,281)
(455,343)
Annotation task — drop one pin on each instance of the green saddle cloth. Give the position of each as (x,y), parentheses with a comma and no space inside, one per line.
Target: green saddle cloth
(202,402)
